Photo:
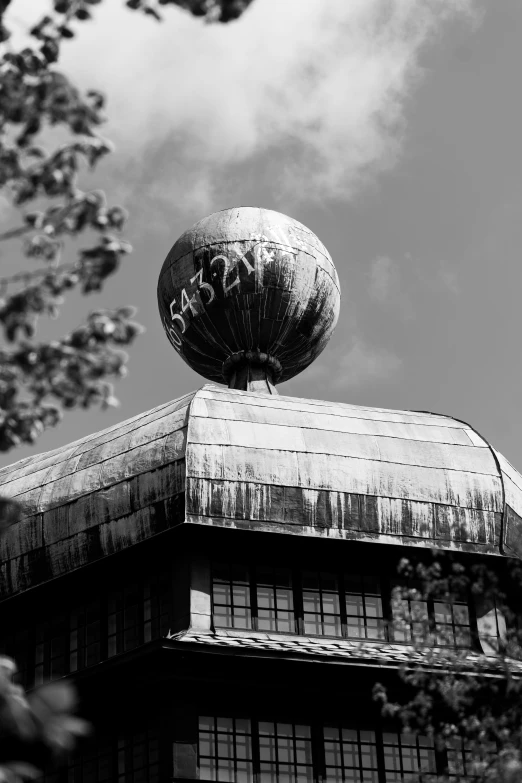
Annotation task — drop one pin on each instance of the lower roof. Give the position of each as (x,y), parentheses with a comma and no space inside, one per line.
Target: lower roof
(380,654)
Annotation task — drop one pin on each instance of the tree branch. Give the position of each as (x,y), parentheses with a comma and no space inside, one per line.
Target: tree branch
(15,232)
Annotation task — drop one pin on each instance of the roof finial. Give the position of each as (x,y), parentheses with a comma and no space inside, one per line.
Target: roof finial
(248,297)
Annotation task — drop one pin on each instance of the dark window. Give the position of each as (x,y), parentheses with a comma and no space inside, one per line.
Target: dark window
(237,749)
(124,619)
(138,758)
(128,757)
(110,622)
(85,635)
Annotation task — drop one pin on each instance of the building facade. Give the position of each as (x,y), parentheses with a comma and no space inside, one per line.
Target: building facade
(216,574)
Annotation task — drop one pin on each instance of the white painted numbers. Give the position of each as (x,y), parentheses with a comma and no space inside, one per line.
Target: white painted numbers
(227,274)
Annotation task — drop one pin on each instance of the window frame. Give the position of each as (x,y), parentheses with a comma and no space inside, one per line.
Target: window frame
(385,582)
(318,750)
(433,631)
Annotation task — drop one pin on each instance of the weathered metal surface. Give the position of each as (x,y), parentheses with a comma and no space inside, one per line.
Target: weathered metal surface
(512,483)
(280,645)
(252,286)
(94,497)
(319,468)
(231,458)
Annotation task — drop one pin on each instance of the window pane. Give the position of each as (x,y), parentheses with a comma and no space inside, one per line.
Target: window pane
(275,600)
(311,602)
(266,598)
(331,603)
(222,593)
(354,605)
(241,595)
(231,596)
(321,604)
(364,617)
(312,625)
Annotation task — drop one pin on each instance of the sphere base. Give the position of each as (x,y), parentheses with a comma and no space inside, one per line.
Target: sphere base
(252,371)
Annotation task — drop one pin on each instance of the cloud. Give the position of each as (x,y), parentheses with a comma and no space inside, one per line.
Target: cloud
(393,284)
(318,89)
(449,277)
(400,286)
(363,364)
(383,273)
(358,366)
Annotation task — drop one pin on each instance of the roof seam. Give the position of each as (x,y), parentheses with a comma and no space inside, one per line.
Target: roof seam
(241,395)
(103,488)
(82,441)
(242,401)
(100,463)
(347,456)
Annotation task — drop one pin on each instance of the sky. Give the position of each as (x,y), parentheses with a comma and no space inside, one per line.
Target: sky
(391,128)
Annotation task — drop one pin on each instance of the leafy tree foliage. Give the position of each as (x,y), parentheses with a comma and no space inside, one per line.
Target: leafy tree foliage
(470,704)
(38,380)
(35,730)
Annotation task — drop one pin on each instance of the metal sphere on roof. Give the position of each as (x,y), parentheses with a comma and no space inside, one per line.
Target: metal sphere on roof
(248,286)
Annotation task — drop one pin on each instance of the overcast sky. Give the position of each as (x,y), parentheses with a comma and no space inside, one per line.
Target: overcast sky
(391,128)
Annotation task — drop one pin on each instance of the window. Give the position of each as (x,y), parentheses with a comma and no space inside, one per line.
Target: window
(411,617)
(440,622)
(313,602)
(275,600)
(16,645)
(84,636)
(285,753)
(49,644)
(350,605)
(452,623)
(364,615)
(491,625)
(109,623)
(321,604)
(123,619)
(231,596)
(407,755)
(459,759)
(138,758)
(128,757)
(239,750)
(225,749)
(350,755)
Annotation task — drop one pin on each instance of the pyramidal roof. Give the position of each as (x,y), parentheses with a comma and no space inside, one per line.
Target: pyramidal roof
(226,457)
